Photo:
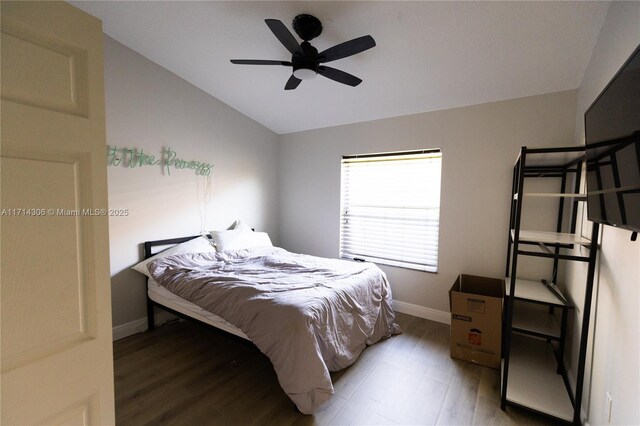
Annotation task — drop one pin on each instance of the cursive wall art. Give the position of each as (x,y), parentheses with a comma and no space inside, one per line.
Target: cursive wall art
(136,157)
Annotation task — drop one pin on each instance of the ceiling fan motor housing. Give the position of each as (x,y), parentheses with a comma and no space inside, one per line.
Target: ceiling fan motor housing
(308,59)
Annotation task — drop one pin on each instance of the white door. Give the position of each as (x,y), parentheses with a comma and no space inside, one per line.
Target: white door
(57,361)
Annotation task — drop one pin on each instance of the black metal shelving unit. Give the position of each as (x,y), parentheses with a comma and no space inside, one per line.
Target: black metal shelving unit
(534,376)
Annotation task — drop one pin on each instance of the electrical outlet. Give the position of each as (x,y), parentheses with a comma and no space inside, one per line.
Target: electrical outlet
(609,406)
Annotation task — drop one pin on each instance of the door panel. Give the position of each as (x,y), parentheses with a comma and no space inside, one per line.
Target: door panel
(55,268)
(41,70)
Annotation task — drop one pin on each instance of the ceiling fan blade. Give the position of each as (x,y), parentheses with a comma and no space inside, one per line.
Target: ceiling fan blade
(347,48)
(259,62)
(339,76)
(284,35)
(292,83)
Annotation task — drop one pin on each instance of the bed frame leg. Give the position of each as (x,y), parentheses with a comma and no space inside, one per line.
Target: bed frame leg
(150,315)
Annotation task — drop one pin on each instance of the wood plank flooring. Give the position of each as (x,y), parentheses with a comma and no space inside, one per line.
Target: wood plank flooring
(184,374)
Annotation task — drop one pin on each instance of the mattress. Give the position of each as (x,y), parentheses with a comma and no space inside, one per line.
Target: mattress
(164,297)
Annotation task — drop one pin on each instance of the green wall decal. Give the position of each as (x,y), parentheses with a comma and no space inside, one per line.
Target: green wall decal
(137,157)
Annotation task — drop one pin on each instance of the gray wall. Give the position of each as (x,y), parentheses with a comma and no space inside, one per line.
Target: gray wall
(151,108)
(614,364)
(479,144)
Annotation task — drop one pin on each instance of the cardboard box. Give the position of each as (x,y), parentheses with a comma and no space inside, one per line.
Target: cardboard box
(476,319)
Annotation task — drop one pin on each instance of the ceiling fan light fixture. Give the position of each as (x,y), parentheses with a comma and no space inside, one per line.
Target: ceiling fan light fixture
(304,73)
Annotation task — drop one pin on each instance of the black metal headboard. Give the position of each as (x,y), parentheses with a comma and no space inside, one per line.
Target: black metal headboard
(149,244)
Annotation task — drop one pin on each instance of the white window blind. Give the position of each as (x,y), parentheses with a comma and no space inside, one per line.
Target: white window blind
(390,208)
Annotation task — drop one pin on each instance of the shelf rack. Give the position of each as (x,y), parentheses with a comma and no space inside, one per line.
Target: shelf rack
(533,372)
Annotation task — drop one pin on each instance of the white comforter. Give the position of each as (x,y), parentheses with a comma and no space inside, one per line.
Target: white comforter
(309,315)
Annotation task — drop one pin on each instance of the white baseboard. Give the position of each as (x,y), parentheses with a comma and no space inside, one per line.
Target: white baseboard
(422,312)
(140,325)
(129,329)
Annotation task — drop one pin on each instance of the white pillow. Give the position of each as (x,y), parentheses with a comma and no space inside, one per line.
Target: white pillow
(238,240)
(197,245)
(239,225)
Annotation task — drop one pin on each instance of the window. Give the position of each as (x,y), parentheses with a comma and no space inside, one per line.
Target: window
(390,208)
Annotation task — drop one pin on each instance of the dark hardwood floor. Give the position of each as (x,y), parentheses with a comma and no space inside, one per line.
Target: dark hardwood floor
(185,374)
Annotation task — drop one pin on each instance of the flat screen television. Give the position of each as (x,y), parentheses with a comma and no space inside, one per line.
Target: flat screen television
(612,134)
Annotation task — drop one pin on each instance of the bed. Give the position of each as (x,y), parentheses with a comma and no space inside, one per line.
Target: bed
(309,315)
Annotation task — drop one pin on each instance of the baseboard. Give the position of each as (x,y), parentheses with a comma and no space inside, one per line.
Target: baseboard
(129,329)
(422,312)
(140,325)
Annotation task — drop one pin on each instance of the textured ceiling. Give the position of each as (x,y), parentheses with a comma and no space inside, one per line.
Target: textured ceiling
(429,55)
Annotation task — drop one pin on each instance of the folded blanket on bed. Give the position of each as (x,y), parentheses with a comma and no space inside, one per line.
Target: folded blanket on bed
(309,315)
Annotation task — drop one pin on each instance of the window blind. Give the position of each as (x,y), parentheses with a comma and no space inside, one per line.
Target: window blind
(390,208)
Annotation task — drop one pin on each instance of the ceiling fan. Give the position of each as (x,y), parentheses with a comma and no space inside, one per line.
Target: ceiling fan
(305,59)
